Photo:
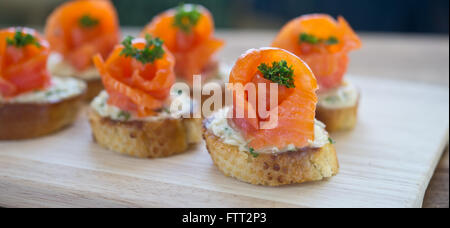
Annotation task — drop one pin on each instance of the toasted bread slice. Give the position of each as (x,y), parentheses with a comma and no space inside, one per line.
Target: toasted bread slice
(30,120)
(338,119)
(145,139)
(94,87)
(312,164)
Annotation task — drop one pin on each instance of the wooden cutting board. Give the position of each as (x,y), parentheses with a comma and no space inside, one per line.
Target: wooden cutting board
(387,161)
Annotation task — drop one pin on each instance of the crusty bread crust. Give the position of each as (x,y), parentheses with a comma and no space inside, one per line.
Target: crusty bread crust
(30,120)
(272,169)
(145,139)
(338,119)
(94,87)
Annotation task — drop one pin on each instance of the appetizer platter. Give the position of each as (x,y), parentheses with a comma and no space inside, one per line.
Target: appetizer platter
(329,146)
(380,166)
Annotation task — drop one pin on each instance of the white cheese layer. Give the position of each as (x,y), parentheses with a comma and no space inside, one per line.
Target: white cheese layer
(59,67)
(176,106)
(218,125)
(60,89)
(342,97)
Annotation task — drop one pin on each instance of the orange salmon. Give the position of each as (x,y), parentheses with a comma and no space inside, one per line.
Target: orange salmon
(81,29)
(296,104)
(23,61)
(133,85)
(192,45)
(323,43)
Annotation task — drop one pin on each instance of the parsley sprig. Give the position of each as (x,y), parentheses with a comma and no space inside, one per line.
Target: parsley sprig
(124,115)
(331,141)
(152,51)
(308,38)
(22,39)
(311,39)
(186,17)
(331,40)
(87,21)
(279,73)
(252,152)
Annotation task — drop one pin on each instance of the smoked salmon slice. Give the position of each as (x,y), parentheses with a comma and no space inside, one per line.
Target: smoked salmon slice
(296,99)
(188,32)
(80,29)
(323,43)
(134,83)
(23,61)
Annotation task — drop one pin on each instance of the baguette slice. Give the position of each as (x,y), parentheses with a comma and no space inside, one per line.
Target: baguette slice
(30,120)
(338,119)
(145,139)
(94,87)
(272,169)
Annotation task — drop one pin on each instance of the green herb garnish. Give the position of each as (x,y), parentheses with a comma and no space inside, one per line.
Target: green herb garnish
(53,92)
(186,17)
(87,21)
(253,153)
(332,40)
(279,73)
(166,110)
(153,49)
(124,115)
(311,39)
(331,140)
(21,39)
(308,38)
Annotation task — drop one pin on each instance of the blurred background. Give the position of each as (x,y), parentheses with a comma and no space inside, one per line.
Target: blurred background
(412,16)
(405,39)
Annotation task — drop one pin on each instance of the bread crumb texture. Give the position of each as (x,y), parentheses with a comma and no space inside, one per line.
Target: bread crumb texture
(145,139)
(338,119)
(312,164)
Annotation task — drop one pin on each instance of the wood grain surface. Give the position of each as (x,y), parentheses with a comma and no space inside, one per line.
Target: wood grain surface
(437,192)
(387,161)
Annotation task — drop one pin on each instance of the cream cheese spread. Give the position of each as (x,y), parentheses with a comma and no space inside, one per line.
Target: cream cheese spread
(176,106)
(60,89)
(342,97)
(218,125)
